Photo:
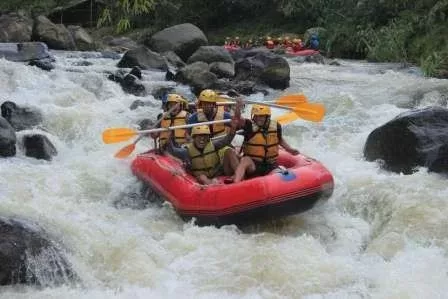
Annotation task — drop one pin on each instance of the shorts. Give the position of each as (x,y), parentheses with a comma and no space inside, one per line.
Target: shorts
(263,168)
(221,154)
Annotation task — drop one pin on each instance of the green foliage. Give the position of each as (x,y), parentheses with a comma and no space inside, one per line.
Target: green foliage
(121,12)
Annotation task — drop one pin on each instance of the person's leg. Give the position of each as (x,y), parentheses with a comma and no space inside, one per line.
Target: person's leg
(246,166)
(230,162)
(204,180)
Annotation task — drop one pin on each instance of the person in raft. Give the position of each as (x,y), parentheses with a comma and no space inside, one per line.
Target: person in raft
(177,116)
(262,138)
(202,154)
(208,110)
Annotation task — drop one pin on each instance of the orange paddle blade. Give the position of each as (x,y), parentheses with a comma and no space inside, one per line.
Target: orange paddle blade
(125,151)
(287,118)
(114,135)
(291,99)
(310,111)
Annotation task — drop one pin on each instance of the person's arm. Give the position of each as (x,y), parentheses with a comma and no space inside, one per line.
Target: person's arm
(178,152)
(227,139)
(283,143)
(156,135)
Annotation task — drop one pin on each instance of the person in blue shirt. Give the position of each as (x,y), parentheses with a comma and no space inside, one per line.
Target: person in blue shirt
(208,110)
(314,42)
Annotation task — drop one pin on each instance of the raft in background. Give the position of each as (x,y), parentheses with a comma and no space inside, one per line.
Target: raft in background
(296,188)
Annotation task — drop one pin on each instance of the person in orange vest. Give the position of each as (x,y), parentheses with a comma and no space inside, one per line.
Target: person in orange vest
(178,116)
(287,42)
(297,45)
(262,140)
(203,154)
(227,41)
(278,41)
(270,44)
(237,42)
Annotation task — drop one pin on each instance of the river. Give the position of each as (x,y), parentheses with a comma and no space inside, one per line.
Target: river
(381,234)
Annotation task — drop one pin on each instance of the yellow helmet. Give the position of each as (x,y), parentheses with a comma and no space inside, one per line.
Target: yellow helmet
(261,110)
(172,97)
(237,37)
(208,95)
(200,130)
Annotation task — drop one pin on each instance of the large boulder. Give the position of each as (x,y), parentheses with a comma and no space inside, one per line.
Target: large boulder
(27,256)
(143,58)
(15,28)
(56,36)
(83,40)
(211,54)
(264,68)
(183,39)
(24,51)
(120,44)
(20,118)
(187,73)
(7,139)
(223,69)
(412,139)
(39,146)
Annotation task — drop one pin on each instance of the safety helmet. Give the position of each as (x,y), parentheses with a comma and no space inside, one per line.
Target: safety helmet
(261,110)
(208,95)
(227,37)
(268,38)
(174,98)
(200,130)
(286,37)
(237,37)
(269,42)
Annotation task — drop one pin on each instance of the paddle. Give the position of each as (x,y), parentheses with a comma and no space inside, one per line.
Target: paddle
(297,104)
(127,150)
(114,135)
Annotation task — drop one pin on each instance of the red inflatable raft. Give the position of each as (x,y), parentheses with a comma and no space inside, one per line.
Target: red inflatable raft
(231,48)
(306,52)
(293,189)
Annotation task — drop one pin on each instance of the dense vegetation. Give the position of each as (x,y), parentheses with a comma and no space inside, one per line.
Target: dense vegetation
(405,31)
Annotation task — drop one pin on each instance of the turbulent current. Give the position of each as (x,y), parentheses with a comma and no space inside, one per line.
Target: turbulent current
(381,234)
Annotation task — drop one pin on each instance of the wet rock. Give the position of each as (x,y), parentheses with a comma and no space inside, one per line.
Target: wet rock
(264,68)
(39,146)
(20,118)
(120,44)
(146,124)
(136,71)
(7,139)
(223,69)
(56,36)
(140,103)
(183,39)
(43,64)
(24,51)
(187,74)
(412,139)
(83,40)
(27,256)
(15,27)
(110,55)
(160,92)
(143,58)
(83,63)
(211,54)
(131,84)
